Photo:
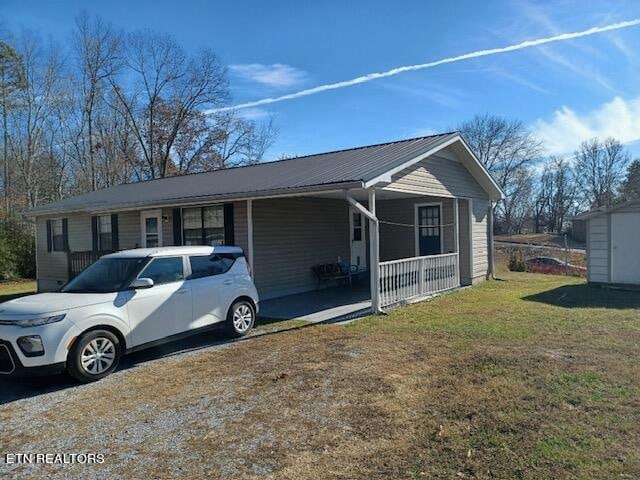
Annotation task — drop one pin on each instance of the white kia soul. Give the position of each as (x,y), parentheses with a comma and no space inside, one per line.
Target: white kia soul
(124,302)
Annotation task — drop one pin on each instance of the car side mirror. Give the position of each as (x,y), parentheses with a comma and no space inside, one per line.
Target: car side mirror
(142,283)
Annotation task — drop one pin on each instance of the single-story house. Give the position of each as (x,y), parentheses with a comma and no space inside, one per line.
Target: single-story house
(411,217)
(613,252)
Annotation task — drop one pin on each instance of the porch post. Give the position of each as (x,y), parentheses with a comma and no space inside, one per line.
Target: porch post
(456,233)
(250,234)
(374,255)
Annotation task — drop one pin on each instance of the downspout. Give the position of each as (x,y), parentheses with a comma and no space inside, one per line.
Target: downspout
(491,273)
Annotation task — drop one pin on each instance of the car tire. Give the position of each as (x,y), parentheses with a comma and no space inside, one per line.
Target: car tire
(94,355)
(241,318)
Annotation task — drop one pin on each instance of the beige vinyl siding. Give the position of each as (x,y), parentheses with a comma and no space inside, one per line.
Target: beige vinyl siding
(129,230)
(399,241)
(480,237)
(240,225)
(167,227)
(52,267)
(598,249)
(80,237)
(290,236)
(464,256)
(437,176)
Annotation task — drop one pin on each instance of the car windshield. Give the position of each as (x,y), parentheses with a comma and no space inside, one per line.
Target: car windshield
(106,275)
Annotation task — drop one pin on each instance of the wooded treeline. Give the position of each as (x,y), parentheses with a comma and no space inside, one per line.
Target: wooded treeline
(108,107)
(542,193)
(112,107)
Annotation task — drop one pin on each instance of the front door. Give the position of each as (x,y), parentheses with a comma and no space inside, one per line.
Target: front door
(151,228)
(358,243)
(429,229)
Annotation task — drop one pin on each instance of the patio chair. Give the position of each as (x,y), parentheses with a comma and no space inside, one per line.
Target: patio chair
(326,272)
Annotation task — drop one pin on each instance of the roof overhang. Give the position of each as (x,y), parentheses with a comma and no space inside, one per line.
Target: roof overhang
(199,200)
(604,211)
(472,163)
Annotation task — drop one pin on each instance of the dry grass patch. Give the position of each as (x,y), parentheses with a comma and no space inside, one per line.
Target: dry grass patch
(519,378)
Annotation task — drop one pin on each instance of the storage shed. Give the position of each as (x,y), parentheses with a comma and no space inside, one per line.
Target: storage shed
(613,244)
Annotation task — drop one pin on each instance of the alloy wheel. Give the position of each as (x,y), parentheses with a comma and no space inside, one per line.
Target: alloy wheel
(98,356)
(242,318)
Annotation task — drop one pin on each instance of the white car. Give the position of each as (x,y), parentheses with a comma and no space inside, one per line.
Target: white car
(124,302)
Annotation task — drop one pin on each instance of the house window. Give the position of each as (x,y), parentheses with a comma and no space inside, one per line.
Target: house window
(57,236)
(203,226)
(105,238)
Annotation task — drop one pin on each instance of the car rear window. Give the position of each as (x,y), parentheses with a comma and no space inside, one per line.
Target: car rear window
(209,265)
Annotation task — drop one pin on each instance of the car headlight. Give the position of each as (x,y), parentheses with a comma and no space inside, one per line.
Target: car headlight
(37,322)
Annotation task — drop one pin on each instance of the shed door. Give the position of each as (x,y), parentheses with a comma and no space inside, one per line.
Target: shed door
(625,251)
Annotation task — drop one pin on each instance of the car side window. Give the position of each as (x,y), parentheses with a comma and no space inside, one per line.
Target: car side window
(164,270)
(210,265)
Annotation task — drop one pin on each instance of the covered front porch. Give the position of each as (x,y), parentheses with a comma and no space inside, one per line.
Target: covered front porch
(402,246)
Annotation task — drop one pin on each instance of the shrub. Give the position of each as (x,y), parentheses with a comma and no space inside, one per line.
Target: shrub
(516,262)
(17,250)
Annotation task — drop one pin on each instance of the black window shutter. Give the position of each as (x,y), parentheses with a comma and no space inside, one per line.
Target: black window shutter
(49,243)
(65,235)
(229,236)
(115,236)
(177,226)
(94,233)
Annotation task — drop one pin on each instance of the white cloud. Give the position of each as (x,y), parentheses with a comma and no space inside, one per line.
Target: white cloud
(253,113)
(566,129)
(276,75)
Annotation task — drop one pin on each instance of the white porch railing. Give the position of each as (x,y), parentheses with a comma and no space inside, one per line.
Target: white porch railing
(409,279)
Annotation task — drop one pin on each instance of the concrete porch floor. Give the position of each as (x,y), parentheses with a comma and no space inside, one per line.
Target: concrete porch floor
(325,305)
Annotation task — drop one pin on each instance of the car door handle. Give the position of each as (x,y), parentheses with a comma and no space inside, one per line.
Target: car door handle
(227,282)
(183,290)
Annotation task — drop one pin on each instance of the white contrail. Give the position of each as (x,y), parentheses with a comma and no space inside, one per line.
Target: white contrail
(422,66)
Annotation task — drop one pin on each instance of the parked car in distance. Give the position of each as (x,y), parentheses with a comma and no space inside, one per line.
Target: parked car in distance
(125,302)
(552,265)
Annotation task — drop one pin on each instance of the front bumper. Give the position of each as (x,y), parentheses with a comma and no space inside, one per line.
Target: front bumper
(56,338)
(10,364)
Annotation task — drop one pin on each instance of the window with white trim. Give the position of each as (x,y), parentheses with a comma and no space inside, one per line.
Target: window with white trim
(57,235)
(203,225)
(105,238)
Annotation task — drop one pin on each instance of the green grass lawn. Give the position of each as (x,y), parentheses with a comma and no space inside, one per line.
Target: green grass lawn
(542,373)
(15,289)
(527,377)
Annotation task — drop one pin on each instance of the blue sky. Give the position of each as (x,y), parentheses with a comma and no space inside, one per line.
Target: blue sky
(565,91)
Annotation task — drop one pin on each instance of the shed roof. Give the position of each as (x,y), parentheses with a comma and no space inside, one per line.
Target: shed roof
(605,210)
(350,168)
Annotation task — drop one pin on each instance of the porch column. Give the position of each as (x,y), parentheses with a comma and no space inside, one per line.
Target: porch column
(456,233)
(250,234)
(374,254)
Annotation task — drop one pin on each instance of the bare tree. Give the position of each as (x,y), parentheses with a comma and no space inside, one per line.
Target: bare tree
(599,170)
(170,87)
(97,48)
(507,149)
(517,211)
(30,122)
(12,81)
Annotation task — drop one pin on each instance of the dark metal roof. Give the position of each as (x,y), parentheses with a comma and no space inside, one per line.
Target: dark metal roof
(352,167)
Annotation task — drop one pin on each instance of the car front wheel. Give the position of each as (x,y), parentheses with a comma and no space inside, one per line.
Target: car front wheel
(241,318)
(95,355)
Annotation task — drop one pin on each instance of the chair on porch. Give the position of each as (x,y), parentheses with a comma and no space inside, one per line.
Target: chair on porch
(342,272)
